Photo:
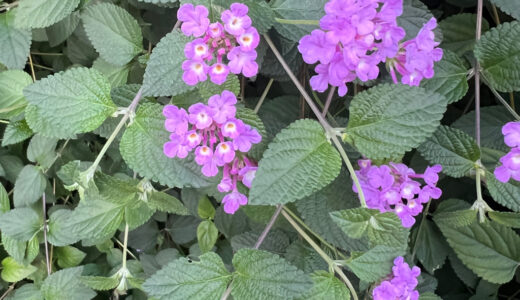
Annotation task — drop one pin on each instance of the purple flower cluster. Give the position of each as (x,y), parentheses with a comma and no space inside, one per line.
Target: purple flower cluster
(234,39)
(219,140)
(356,35)
(401,284)
(511,161)
(395,187)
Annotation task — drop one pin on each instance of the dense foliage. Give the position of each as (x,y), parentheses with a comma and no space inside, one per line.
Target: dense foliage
(260,149)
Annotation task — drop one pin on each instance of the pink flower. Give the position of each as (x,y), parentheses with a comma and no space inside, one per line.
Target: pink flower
(316,47)
(176,119)
(233,201)
(194,19)
(197,50)
(232,128)
(248,174)
(402,283)
(218,73)
(224,153)
(249,39)
(223,106)
(511,132)
(246,138)
(194,71)
(236,19)
(175,147)
(510,166)
(243,62)
(200,115)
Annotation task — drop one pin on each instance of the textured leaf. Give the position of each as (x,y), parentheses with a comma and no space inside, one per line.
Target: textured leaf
(499,55)
(142,149)
(297,10)
(186,279)
(12,271)
(262,275)
(43,13)
(375,263)
(23,252)
(65,285)
(459,32)
(16,132)
(164,69)
(507,194)
(207,234)
(305,258)
(429,296)
(388,120)
(450,78)
(327,287)
(466,275)
(166,203)
(491,250)
(511,8)
(508,219)
(456,151)
(41,150)
(59,233)
(415,15)
(20,223)
(276,241)
(116,75)
(71,102)
(12,83)
(5,203)
(299,162)
(27,291)
(100,283)
(205,209)
(60,31)
(432,250)
(114,33)
(15,43)
(68,256)
(29,186)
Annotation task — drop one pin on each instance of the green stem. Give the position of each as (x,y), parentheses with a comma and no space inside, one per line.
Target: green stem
(125,246)
(264,95)
(297,22)
(323,255)
(502,100)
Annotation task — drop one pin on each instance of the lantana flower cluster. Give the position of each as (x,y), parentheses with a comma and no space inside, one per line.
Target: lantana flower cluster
(401,284)
(511,161)
(234,39)
(357,35)
(218,139)
(395,187)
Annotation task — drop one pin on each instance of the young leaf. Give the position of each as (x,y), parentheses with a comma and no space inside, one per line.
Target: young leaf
(456,151)
(23,252)
(12,83)
(327,287)
(489,249)
(16,132)
(15,43)
(499,56)
(388,120)
(511,8)
(43,13)
(205,209)
(65,284)
(163,202)
(263,275)
(29,186)
(508,219)
(69,256)
(186,279)
(100,283)
(12,271)
(115,34)
(375,263)
(207,234)
(75,101)
(459,32)
(299,162)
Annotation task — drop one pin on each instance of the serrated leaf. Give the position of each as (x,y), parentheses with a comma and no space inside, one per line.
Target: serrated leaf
(511,8)
(297,10)
(16,132)
(12,271)
(508,219)
(489,249)
(41,150)
(388,120)
(74,101)
(207,234)
(23,252)
(450,78)
(29,186)
(28,291)
(276,241)
(263,275)
(69,256)
(456,218)
(43,13)
(499,55)
(163,202)
(164,69)
(113,31)
(65,284)
(415,15)
(186,279)
(116,75)
(505,193)
(430,246)
(459,32)
(456,151)
(466,275)
(299,162)
(327,287)
(142,149)
(375,263)
(15,43)
(59,233)
(60,31)
(12,83)
(100,283)
(306,259)
(45,126)
(5,203)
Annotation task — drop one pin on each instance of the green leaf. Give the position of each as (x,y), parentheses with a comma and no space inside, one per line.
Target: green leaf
(276,241)
(12,83)
(507,194)
(388,120)
(142,149)
(415,15)
(16,132)
(164,69)
(186,279)
(41,150)
(459,32)
(20,223)
(262,16)
(65,284)
(205,209)
(499,55)
(375,263)
(429,296)
(59,233)
(5,203)
(163,202)
(456,151)
(299,162)
(23,252)
(43,13)
(456,218)
(28,291)
(207,234)
(69,256)
(15,43)
(116,75)
(60,31)
(100,283)
(297,10)
(489,249)
(430,246)
(263,275)
(450,78)
(29,186)
(327,287)
(75,101)
(305,258)
(511,8)
(115,34)
(12,271)
(508,219)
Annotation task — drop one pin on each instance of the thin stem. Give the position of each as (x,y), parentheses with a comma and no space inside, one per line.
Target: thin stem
(9,289)
(423,220)
(43,67)
(268,227)
(4,121)
(502,100)
(32,68)
(177,24)
(329,100)
(495,14)
(47,261)
(512,100)
(7,7)
(243,89)
(264,95)
(127,251)
(125,245)
(323,255)
(227,292)
(297,22)
(477,73)
(46,54)
(320,118)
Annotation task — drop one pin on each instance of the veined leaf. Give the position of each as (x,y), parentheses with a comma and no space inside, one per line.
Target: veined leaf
(43,13)
(505,193)
(375,263)
(29,186)
(207,234)
(511,8)
(508,219)
(15,43)
(459,32)
(20,223)
(65,284)
(327,287)
(12,83)
(297,10)
(16,132)
(12,271)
